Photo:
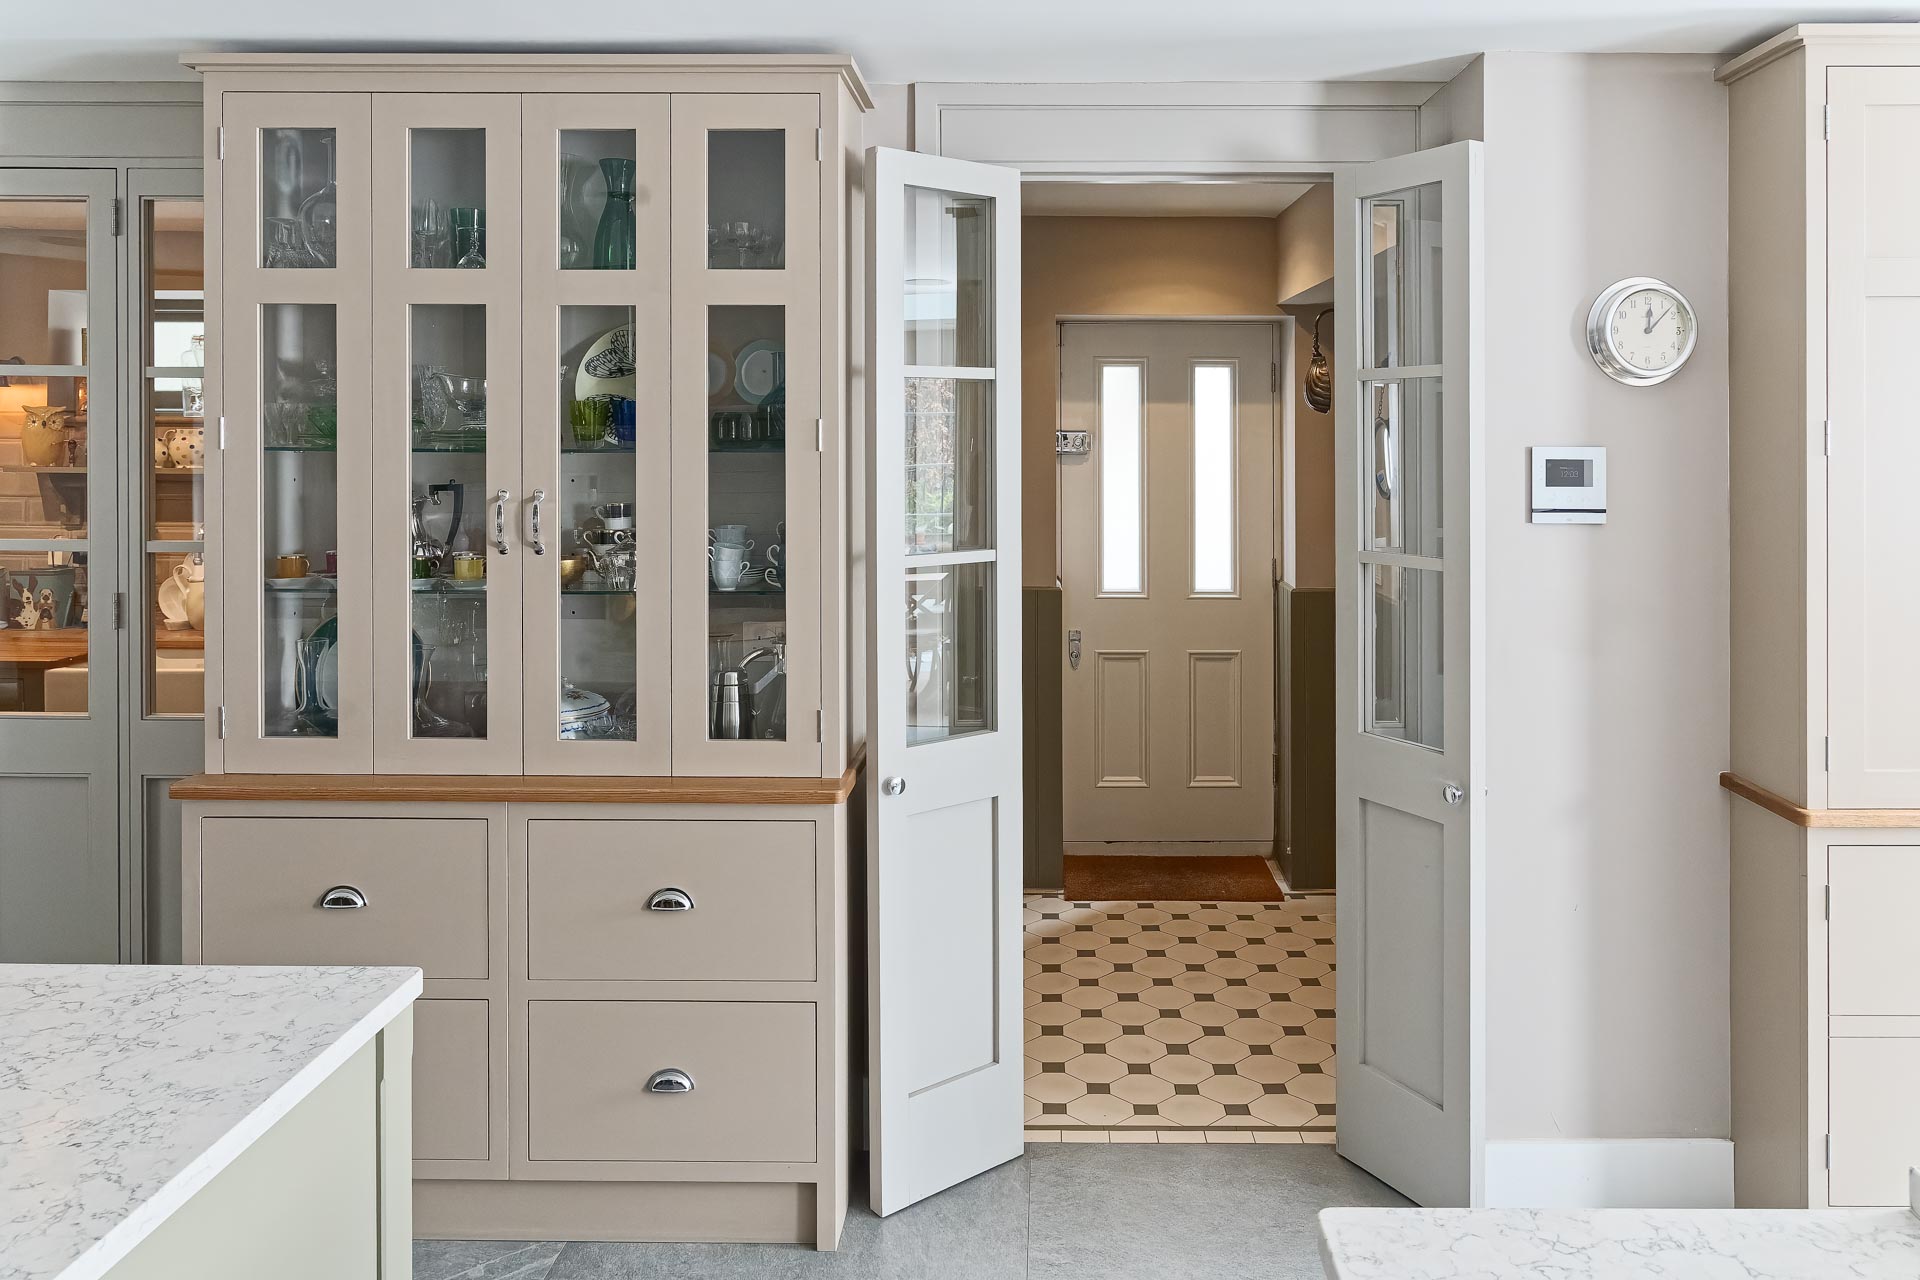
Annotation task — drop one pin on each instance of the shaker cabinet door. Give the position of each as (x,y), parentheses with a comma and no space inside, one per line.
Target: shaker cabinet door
(595,452)
(748,312)
(297,468)
(449,557)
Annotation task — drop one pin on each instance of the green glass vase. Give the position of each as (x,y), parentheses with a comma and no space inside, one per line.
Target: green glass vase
(613,243)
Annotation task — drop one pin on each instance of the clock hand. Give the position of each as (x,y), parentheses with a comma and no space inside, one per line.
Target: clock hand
(1654,320)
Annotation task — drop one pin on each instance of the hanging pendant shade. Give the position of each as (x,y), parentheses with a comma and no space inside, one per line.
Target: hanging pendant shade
(1319,388)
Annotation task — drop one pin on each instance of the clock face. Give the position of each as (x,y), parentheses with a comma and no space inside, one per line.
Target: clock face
(1641,331)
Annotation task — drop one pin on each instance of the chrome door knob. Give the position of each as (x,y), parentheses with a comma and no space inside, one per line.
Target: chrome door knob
(893,786)
(1452,793)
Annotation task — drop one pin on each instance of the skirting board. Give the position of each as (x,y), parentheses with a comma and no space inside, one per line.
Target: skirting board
(1624,1173)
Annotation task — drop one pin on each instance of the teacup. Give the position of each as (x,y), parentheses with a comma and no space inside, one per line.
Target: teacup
(727,572)
(290,566)
(469,566)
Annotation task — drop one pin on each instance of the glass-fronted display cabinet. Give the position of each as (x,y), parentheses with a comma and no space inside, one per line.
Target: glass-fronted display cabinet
(524,430)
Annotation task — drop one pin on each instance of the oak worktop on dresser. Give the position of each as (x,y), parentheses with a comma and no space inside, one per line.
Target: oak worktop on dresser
(124,1090)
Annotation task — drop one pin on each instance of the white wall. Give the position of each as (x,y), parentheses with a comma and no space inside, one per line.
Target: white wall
(1607,702)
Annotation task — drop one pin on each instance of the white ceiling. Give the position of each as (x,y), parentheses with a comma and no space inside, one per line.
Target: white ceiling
(896,42)
(1159,199)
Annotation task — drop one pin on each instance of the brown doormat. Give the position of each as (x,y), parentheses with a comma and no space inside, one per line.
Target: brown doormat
(1127,878)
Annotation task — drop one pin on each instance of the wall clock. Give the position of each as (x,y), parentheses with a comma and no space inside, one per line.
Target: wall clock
(1641,331)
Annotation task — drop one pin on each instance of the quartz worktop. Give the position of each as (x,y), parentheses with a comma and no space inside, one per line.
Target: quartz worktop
(125,1089)
(1589,1244)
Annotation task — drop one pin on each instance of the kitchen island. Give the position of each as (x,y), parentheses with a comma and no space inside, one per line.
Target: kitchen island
(215,1122)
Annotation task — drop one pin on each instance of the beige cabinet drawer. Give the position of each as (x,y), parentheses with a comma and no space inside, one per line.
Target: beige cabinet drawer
(589,1063)
(1875,1122)
(451,1078)
(424,881)
(589,883)
(1873,951)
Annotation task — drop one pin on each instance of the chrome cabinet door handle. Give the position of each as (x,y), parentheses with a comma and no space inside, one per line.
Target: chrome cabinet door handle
(1452,793)
(342,897)
(670,1080)
(670,900)
(894,786)
(539,547)
(1073,650)
(500,521)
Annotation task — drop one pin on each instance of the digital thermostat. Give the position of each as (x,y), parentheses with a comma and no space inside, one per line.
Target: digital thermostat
(1569,484)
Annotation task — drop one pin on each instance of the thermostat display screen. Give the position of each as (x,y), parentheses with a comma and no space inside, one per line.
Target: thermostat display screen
(1569,473)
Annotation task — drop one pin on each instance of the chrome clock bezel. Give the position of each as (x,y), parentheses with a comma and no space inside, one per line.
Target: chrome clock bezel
(1600,337)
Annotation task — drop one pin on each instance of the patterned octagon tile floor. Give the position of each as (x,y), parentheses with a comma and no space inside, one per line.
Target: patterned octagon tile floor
(1180,1021)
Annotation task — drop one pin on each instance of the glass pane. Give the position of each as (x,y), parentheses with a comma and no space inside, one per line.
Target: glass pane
(1405,694)
(1122,479)
(450,504)
(948,258)
(747,199)
(1214,514)
(299,520)
(43,282)
(597,176)
(175,585)
(43,644)
(176,614)
(949,465)
(43,457)
(1403,285)
(298,201)
(746,513)
(950,677)
(595,516)
(1404,484)
(449,201)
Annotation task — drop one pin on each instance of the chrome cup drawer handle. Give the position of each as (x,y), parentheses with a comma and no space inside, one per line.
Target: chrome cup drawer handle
(670,900)
(342,897)
(670,1080)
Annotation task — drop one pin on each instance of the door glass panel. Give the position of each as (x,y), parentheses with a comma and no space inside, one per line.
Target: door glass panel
(1403,278)
(950,638)
(594,518)
(448,171)
(43,666)
(947,253)
(1120,444)
(43,282)
(299,218)
(1403,629)
(450,503)
(175,407)
(747,199)
(747,531)
(1214,508)
(43,456)
(597,192)
(299,521)
(949,442)
(1402,486)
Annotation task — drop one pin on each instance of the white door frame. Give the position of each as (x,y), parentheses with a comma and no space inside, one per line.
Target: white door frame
(1195,165)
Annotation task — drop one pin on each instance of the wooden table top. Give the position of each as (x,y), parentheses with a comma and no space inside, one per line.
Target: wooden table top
(57,648)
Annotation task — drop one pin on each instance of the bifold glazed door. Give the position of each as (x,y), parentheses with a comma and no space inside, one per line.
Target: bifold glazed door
(1409,701)
(944,734)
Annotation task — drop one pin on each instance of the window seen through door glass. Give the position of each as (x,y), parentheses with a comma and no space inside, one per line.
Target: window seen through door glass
(1404,278)
(1119,444)
(950,645)
(1403,631)
(947,255)
(1213,479)
(175,408)
(1402,486)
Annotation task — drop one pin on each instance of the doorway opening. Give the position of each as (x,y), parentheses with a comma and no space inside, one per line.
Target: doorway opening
(1180,979)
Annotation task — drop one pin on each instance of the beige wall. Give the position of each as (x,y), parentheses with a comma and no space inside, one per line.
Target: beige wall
(1607,646)
(1117,266)
(1312,561)
(1304,234)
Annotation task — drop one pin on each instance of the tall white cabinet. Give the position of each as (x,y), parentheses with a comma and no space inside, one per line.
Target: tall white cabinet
(1825,734)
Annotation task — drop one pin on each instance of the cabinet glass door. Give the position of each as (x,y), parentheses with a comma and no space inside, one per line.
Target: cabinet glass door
(747,423)
(596,451)
(447,555)
(297,466)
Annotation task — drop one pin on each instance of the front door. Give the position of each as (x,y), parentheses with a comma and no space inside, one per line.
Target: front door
(943,731)
(1410,651)
(1167,553)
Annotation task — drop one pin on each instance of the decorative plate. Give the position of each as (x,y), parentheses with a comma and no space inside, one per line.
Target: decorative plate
(719,374)
(758,371)
(607,371)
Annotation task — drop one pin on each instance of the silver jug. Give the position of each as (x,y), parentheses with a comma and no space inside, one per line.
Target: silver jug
(731,701)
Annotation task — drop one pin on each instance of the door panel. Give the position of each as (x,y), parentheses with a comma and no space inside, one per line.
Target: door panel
(944,764)
(1410,649)
(1167,528)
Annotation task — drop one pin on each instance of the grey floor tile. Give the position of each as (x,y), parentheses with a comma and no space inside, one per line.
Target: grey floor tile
(1170,1212)
(483,1259)
(976,1231)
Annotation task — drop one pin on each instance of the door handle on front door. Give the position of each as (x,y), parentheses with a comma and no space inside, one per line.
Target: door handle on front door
(1073,650)
(1452,793)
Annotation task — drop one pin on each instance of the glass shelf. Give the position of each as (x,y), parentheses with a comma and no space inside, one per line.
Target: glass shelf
(759,590)
(748,446)
(299,593)
(571,447)
(596,591)
(301,448)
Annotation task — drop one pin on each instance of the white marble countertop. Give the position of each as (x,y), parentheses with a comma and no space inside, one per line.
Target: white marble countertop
(125,1089)
(1587,1244)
